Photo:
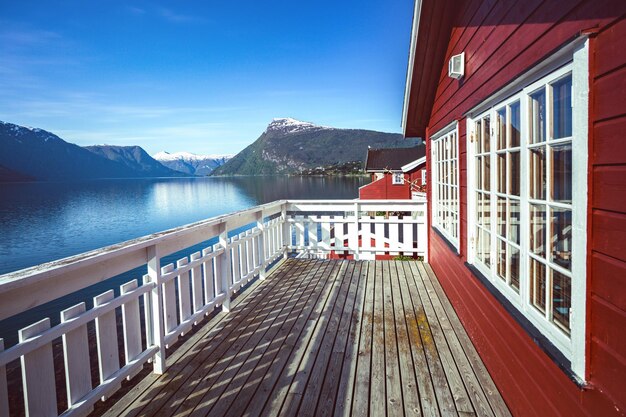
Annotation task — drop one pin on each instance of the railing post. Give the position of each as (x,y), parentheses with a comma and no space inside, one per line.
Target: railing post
(286,235)
(224,267)
(357,251)
(154,309)
(261,248)
(425,234)
(4,393)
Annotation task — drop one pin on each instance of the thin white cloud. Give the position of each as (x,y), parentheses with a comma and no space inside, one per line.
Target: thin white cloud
(16,37)
(176,17)
(136,10)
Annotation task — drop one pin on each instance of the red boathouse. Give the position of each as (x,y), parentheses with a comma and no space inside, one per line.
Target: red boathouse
(522,106)
(397,173)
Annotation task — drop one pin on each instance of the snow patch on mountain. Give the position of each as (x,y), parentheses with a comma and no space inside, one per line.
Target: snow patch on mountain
(286,125)
(187,156)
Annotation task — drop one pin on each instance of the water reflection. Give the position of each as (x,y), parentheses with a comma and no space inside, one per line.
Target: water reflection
(41,222)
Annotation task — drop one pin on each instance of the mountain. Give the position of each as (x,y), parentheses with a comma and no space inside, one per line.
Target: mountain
(135,158)
(44,156)
(190,163)
(289,146)
(9,175)
(28,154)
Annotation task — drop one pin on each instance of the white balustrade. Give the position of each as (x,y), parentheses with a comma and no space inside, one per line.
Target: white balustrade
(176,296)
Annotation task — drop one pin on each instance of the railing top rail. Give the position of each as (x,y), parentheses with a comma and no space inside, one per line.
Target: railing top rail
(35,273)
(353,201)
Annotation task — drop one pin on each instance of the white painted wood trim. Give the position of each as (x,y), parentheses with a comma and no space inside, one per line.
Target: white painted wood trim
(417,11)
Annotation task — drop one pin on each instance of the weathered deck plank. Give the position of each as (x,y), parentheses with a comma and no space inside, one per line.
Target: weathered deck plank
(376,338)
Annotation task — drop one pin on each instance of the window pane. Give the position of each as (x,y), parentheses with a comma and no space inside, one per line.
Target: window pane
(514,173)
(561,299)
(501,172)
(538,117)
(479,137)
(486,134)
(514,221)
(501,128)
(479,172)
(487,210)
(562,108)
(538,173)
(487,173)
(514,266)
(486,247)
(561,237)
(479,208)
(501,246)
(479,248)
(501,216)
(562,173)
(537,229)
(538,285)
(515,125)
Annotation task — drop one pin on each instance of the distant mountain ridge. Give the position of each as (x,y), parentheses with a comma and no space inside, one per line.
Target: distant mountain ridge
(290,146)
(192,164)
(42,155)
(32,154)
(135,158)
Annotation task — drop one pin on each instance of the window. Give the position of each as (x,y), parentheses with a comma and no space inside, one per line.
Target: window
(445,185)
(527,185)
(423,177)
(397,178)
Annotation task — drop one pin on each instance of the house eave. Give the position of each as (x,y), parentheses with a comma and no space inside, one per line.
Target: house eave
(409,73)
(412,165)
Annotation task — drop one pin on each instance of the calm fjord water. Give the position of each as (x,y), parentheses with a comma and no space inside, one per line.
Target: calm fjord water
(41,222)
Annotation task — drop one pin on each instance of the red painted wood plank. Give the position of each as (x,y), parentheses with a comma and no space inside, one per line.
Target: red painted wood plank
(609,91)
(607,325)
(608,279)
(608,376)
(609,142)
(610,48)
(609,234)
(609,184)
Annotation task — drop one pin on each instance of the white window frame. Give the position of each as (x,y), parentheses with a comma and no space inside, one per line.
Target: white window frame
(572,59)
(424,176)
(452,130)
(397,178)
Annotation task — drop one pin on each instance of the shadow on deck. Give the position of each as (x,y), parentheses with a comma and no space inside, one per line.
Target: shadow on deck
(324,338)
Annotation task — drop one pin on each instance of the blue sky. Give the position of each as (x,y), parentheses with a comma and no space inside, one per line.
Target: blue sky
(204,77)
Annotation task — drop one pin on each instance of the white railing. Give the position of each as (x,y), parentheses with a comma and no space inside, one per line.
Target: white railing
(169,300)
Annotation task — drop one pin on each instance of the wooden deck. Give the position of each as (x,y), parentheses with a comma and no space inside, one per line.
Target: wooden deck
(324,338)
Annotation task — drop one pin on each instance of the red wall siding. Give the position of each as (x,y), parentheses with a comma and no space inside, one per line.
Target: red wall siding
(384,189)
(501,40)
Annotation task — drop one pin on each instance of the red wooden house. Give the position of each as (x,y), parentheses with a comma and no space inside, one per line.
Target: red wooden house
(522,106)
(397,173)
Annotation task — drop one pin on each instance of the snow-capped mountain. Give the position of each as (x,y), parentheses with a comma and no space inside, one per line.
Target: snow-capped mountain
(190,163)
(287,125)
(289,146)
